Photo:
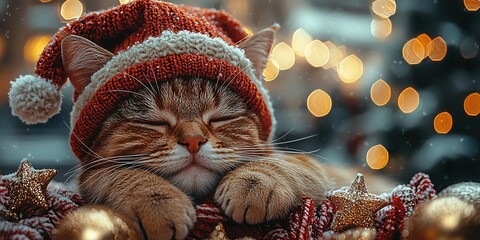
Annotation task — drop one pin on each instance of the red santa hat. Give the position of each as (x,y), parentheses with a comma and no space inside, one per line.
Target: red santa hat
(150,41)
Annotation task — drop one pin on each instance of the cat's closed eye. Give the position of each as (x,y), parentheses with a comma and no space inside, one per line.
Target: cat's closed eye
(222,120)
(156,123)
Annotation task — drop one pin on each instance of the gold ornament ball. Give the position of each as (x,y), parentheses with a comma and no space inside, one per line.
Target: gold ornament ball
(95,222)
(444,218)
(354,234)
(467,191)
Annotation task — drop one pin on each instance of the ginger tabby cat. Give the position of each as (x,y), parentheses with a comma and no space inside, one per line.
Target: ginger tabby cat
(182,140)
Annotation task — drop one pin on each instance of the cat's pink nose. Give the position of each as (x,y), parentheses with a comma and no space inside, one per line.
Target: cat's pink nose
(193,143)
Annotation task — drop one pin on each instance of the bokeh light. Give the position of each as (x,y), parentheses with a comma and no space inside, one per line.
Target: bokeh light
(319,103)
(284,55)
(350,69)
(248,31)
(408,100)
(471,5)
(317,53)
(300,41)
(377,157)
(437,49)
(425,40)
(71,9)
(384,8)
(443,123)
(413,51)
(336,55)
(125,1)
(471,105)
(34,47)
(271,70)
(469,48)
(381,28)
(45,1)
(380,92)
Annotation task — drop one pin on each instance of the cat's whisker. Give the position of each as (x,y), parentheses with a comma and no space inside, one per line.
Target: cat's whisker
(143,84)
(89,151)
(284,135)
(229,81)
(113,167)
(97,161)
(156,81)
(279,143)
(218,78)
(149,83)
(127,91)
(280,159)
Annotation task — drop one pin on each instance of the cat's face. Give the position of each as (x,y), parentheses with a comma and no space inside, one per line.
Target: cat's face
(190,131)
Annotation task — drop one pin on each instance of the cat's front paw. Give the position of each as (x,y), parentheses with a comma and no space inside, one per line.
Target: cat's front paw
(254,197)
(166,216)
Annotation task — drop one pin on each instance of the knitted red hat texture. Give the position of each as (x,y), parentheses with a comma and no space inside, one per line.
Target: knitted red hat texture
(151,41)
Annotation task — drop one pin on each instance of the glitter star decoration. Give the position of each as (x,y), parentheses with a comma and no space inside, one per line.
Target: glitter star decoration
(28,186)
(355,206)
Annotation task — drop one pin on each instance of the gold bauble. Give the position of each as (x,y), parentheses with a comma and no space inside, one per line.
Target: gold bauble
(444,218)
(354,234)
(467,191)
(95,222)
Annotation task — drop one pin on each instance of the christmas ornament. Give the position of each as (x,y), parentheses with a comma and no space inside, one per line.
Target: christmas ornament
(28,187)
(355,206)
(95,222)
(467,191)
(444,218)
(219,233)
(36,223)
(354,234)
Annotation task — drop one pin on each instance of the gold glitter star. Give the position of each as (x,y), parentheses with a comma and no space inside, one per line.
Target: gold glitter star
(355,206)
(218,233)
(28,186)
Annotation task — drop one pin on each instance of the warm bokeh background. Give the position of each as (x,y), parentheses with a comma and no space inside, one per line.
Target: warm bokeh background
(426,53)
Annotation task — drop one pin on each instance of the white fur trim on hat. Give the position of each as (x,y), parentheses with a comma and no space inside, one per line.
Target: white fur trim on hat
(182,42)
(33,99)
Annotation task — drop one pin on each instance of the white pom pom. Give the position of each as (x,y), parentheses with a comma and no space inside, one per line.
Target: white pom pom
(33,99)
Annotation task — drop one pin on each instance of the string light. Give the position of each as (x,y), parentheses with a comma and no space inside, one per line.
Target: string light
(34,47)
(381,28)
(377,157)
(284,55)
(408,100)
(271,70)
(319,103)
(471,105)
(350,69)
(71,9)
(384,8)
(471,5)
(380,92)
(317,53)
(413,51)
(437,49)
(300,41)
(443,123)
(424,40)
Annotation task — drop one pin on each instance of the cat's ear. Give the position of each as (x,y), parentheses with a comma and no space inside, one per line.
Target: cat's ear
(81,59)
(257,47)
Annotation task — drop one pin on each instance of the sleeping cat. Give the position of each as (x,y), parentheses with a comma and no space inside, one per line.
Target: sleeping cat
(185,139)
